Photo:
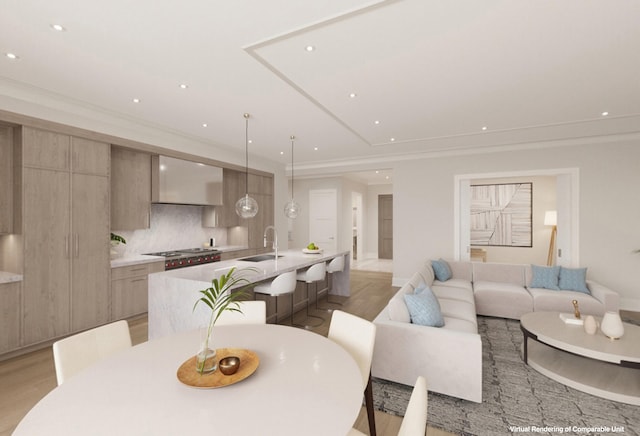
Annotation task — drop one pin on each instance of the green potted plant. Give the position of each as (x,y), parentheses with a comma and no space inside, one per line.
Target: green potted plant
(224,294)
(116,251)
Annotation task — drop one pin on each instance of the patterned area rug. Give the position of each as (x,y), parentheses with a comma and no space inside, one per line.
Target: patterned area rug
(516,398)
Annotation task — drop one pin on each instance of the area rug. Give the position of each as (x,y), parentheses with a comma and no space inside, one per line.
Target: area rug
(516,398)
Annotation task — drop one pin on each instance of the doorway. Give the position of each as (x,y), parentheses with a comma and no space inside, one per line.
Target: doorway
(323,217)
(385,226)
(357,248)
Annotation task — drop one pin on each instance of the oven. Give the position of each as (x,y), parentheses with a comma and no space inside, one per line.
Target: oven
(174,259)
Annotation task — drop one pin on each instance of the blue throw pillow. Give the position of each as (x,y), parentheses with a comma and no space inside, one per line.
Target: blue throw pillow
(441,270)
(573,279)
(545,277)
(424,308)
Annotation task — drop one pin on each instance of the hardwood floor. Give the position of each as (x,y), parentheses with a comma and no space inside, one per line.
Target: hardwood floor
(24,380)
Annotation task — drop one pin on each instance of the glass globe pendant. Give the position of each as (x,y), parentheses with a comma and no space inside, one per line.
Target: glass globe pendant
(246,207)
(291,208)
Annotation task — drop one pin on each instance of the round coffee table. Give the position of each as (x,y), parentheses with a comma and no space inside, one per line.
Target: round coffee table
(590,363)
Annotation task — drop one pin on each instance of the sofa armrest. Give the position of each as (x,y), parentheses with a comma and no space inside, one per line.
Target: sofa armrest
(450,360)
(609,299)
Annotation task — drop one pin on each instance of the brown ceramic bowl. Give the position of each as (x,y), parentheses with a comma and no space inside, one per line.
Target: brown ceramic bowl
(229,365)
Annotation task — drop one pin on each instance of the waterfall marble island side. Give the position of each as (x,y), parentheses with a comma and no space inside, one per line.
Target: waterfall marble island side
(172,294)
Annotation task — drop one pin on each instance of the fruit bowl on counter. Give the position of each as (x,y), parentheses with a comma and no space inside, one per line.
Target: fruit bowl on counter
(312,249)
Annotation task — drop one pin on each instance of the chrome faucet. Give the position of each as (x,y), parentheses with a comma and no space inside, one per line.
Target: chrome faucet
(275,238)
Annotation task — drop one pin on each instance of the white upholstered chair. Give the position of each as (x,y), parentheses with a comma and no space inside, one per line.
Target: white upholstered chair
(315,273)
(252,312)
(284,283)
(74,353)
(414,422)
(357,336)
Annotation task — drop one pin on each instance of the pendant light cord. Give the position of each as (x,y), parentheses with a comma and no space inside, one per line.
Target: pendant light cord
(246,148)
(292,178)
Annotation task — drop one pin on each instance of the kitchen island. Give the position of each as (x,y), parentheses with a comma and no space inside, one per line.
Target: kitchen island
(172,294)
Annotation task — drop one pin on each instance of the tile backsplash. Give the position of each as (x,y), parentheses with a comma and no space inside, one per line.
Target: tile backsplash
(172,227)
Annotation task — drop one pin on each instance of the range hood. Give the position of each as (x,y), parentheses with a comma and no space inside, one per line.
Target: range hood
(177,181)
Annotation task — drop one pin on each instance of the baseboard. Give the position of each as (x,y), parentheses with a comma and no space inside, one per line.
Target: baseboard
(632,304)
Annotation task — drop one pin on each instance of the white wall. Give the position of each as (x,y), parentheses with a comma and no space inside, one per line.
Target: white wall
(609,210)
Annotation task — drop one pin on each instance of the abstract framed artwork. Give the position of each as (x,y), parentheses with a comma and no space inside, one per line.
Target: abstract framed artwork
(501,215)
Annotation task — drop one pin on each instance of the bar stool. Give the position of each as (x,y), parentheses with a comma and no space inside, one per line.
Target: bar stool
(285,283)
(334,265)
(315,273)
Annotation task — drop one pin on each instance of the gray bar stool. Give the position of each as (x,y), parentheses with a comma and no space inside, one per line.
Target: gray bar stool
(315,273)
(285,283)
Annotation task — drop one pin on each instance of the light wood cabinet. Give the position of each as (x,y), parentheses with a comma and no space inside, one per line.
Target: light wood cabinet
(233,183)
(130,189)
(65,234)
(261,189)
(6,179)
(9,316)
(129,289)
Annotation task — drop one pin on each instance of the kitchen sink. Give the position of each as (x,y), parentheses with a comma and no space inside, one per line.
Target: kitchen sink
(260,258)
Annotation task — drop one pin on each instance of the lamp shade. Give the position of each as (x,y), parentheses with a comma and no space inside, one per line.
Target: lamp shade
(551,218)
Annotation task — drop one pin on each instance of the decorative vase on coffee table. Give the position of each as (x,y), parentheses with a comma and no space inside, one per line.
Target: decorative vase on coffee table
(612,326)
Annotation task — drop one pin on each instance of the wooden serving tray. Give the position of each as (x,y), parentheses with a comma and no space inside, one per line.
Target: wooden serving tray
(249,362)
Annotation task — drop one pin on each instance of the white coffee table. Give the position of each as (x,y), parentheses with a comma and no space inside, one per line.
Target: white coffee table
(590,363)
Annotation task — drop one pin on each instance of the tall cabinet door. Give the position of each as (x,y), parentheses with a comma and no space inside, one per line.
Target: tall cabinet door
(47,254)
(91,267)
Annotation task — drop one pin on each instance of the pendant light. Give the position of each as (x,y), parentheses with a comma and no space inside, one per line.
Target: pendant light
(291,209)
(246,207)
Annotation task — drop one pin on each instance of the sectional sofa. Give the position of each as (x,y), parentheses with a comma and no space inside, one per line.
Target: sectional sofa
(451,356)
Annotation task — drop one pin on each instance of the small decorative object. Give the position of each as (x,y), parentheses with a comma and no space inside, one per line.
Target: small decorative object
(229,365)
(224,294)
(612,326)
(590,325)
(576,310)
(116,247)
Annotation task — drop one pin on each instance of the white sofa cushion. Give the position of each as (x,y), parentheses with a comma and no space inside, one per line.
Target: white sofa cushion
(504,300)
(454,293)
(547,300)
(499,272)
(458,309)
(454,283)
(459,325)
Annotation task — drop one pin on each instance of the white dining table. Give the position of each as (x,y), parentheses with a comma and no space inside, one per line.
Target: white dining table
(304,384)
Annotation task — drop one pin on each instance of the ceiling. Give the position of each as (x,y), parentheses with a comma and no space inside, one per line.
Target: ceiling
(386,79)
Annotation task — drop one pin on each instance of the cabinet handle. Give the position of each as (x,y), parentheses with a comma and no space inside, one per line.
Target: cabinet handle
(139,280)
(66,246)
(76,245)
(138,269)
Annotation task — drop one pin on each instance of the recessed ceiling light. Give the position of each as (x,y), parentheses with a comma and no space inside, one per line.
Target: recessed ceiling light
(183,86)
(315,148)
(377,172)
(387,177)
(281,153)
(200,164)
(393,139)
(376,122)
(204,124)
(309,48)
(484,128)
(353,95)
(163,167)
(12,56)
(250,141)
(605,113)
(136,100)
(58,27)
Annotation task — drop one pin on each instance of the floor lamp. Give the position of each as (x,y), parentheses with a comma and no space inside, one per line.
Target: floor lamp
(551,219)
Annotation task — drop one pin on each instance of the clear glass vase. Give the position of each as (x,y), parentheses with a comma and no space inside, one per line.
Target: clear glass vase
(206,361)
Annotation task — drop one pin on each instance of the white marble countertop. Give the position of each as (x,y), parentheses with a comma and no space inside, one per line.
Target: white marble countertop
(290,260)
(9,277)
(135,260)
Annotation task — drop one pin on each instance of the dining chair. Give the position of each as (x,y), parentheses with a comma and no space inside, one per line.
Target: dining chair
(251,312)
(74,353)
(285,283)
(314,274)
(414,422)
(357,336)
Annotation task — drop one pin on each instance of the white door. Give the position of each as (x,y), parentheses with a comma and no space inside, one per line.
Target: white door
(323,218)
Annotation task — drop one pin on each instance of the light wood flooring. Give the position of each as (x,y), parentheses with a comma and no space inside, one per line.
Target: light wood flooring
(24,380)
